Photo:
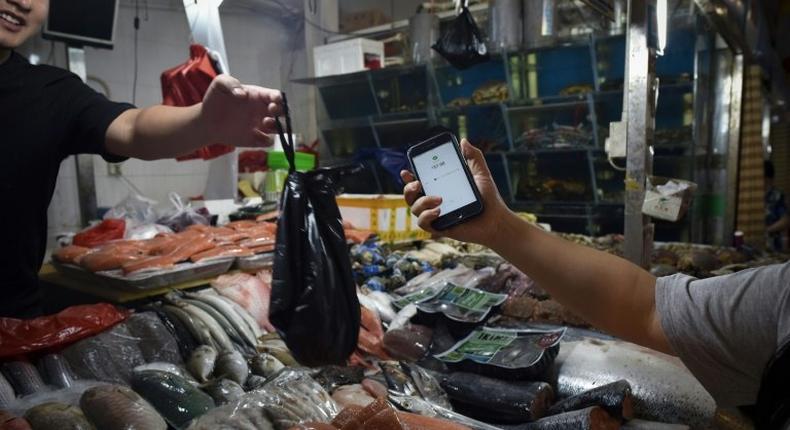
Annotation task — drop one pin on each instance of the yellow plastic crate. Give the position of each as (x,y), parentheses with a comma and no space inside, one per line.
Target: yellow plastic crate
(386,214)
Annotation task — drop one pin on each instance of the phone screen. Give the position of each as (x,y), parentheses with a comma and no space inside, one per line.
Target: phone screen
(442,174)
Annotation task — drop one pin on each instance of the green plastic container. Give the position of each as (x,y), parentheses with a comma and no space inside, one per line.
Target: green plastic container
(278,172)
(276,160)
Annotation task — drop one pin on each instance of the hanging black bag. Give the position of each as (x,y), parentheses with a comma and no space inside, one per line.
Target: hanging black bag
(462,45)
(314,303)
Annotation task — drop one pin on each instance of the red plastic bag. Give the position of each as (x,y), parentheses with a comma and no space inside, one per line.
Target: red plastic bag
(19,337)
(107,230)
(185,85)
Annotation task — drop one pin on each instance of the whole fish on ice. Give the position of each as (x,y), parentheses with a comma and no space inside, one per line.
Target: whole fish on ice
(663,389)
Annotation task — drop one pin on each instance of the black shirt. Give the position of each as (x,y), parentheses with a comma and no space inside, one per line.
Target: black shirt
(46,114)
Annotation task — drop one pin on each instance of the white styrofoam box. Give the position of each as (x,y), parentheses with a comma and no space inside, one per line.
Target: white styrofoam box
(345,57)
(670,207)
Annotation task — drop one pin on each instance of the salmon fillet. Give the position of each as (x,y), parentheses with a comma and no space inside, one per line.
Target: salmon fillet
(182,250)
(159,262)
(222,252)
(242,224)
(258,241)
(263,249)
(71,254)
(110,259)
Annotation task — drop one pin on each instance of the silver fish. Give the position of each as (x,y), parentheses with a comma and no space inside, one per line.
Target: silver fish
(24,377)
(217,332)
(223,322)
(117,407)
(232,365)
(6,392)
(202,361)
(427,385)
(243,313)
(57,416)
(223,391)
(230,314)
(56,371)
(198,329)
(265,365)
(169,368)
(663,389)
(419,406)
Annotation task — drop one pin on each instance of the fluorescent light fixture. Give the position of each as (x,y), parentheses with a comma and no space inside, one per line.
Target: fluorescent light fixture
(661,25)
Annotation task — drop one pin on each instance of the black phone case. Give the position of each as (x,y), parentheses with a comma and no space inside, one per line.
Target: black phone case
(458,216)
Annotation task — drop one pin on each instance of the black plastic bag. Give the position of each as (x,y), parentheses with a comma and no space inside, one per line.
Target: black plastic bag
(314,303)
(462,45)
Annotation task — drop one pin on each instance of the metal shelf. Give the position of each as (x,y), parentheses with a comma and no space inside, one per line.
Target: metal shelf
(503,122)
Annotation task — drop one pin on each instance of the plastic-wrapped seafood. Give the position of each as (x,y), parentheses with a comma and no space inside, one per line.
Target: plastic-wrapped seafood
(331,377)
(168,368)
(109,356)
(7,394)
(287,400)
(176,399)
(248,413)
(24,377)
(298,398)
(353,394)
(155,341)
(223,391)
(113,406)
(56,371)
(57,416)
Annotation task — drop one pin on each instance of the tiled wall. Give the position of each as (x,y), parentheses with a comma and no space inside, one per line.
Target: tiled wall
(255,44)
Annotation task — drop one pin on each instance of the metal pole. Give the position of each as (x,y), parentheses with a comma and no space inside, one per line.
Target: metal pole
(639,112)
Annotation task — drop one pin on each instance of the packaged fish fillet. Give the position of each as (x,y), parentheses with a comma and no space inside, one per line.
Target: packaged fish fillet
(461,304)
(505,353)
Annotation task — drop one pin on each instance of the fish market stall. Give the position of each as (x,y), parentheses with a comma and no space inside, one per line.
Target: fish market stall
(450,337)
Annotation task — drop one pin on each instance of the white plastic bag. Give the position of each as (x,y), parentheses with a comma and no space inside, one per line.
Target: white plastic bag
(183,215)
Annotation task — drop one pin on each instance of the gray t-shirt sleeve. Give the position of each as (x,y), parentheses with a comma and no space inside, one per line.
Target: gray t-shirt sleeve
(726,329)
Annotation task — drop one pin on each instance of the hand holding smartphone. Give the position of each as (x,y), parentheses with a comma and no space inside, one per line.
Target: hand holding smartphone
(442,171)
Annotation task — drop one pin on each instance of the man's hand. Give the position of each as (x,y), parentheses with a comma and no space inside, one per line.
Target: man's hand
(608,292)
(239,115)
(231,114)
(481,229)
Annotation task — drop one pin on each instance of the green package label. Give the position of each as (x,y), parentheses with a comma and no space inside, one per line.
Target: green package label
(417,297)
(461,303)
(512,349)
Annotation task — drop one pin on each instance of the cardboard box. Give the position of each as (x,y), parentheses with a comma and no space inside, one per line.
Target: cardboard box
(386,214)
(349,56)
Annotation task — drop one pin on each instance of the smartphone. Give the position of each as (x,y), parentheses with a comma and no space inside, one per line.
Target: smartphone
(441,169)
